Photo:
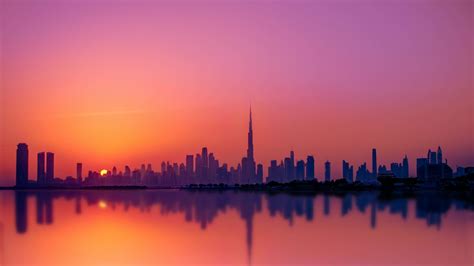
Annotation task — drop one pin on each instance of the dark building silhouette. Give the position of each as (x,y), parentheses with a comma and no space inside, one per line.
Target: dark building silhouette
(259,173)
(405,167)
(363,174)
(291,170)
(189,166)
(432,168)
(310,168)
(347,172)
(41,174)
(22,164)
(79,172)
(49,167)
(327,171)
(300,170)
(198,172)
(374,162)
(205,165)
(439,158)
(248,163)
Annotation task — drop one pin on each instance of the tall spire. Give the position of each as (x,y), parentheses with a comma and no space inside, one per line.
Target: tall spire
(250,121)
(250,138)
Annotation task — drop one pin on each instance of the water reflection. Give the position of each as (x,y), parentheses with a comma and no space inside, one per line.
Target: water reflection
(204,207)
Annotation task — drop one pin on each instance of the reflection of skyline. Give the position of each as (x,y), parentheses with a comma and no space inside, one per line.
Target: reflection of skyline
(204,207)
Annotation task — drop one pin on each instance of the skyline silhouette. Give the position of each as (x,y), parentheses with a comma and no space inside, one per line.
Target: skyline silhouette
(205,168)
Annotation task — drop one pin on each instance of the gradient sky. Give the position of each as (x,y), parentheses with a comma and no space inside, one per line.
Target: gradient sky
(129,82)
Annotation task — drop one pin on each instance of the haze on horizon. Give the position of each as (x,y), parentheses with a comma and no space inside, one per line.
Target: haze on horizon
(125,83)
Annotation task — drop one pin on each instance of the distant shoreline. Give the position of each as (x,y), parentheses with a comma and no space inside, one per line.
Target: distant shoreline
(465,184)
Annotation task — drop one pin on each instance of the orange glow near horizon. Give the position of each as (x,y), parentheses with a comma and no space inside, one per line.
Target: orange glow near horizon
(102,204)
(103,172)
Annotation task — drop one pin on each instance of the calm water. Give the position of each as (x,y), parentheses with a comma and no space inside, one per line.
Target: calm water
(184,227)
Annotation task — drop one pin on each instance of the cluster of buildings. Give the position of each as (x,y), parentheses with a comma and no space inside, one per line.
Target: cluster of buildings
(287,171)
(205,168)
(202,168)
(433,167)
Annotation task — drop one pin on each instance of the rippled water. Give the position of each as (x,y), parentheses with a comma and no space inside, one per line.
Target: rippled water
(211,227)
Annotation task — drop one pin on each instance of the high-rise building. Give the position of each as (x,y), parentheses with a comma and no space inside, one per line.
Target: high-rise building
(198,165)
(347,172)
(439,156)
(250,139)
(292,166)
(205,157)
(405,168)
(272,171)
(374,163)
(249,167)
(142,172)
(79,172)
(22,164)
(432,168)
(259,174)
(40,178)
(421,168)
(432,158)
(363,174)
(127,171)
(189,165)
(310,168)
(213,165)
(205,165)
(300,170)
(327,171)
(288,170)
(49,167)
(351,173)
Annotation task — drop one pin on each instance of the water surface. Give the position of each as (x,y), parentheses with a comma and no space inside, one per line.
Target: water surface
(230,227)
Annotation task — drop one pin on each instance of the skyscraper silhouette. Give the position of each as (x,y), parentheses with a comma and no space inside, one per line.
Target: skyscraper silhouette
(189,165)
(374,163)
(41,174)
(49,167)
(347,172)
(205,165)
(250,138)
(22,165)
(79,172)
(300,170)
(439,156)
(310,168)
(292,166)
(249,168)
(405,170)
(327,171)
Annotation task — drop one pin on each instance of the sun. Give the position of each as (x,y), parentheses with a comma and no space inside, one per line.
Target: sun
(103,172)
(102,204)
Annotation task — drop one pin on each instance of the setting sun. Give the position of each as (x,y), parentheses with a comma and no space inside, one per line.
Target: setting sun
(102,204)
(103,172)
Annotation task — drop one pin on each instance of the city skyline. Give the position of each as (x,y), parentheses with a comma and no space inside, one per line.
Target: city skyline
(206,168)
(261,132)
(118,84)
